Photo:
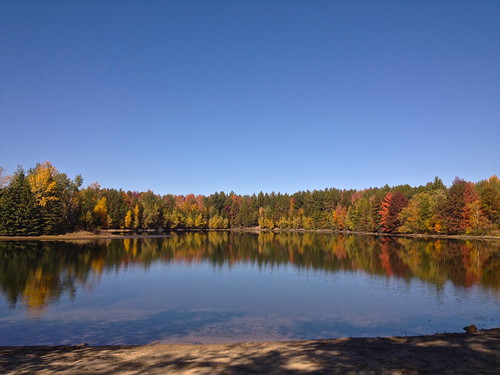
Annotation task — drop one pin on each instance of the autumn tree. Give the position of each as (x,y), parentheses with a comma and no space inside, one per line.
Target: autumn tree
(117,207)
(339,217)
(128,219)
(392,205)
(359,216)
(435,222)
(199,221)
(266,218)
(415,216)
(175,220)
(43,185)
(101,212)
(421,215)
(88,198)
(218,222)
(376,204)
(137,217)
(453,208)
(152,213)
(474,220)
(489,192)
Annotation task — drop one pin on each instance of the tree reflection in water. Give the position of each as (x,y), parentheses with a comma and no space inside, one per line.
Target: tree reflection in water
(36,273)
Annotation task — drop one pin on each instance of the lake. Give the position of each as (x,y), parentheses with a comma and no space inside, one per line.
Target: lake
(207,287)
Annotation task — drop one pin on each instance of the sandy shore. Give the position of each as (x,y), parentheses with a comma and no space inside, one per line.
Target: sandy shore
(434,354)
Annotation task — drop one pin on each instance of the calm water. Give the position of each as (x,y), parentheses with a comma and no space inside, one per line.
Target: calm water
(222,287)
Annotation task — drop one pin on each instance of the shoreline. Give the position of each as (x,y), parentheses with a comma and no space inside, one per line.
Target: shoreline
(110,234)
(448,353)
(411,235)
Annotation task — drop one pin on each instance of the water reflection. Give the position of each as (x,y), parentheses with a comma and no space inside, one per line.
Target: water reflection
(37,273)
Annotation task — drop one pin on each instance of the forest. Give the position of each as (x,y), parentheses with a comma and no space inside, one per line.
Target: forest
(44,201)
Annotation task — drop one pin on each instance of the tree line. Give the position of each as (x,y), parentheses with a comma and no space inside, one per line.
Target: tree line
(46,201)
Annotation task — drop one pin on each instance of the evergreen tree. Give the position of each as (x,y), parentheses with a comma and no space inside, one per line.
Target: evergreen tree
(67,191)
(19,215)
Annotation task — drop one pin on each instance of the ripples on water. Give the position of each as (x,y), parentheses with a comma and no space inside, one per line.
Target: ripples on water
(220,287)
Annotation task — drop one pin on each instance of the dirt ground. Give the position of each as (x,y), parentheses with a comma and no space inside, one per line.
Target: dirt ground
(435,354)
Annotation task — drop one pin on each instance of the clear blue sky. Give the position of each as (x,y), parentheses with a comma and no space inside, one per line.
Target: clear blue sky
(201,96)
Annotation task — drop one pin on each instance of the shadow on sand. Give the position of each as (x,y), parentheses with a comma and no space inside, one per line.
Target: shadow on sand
(434,354)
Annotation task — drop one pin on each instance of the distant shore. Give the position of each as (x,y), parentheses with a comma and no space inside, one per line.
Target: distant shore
(412,235)
(108,234)
(83,236)
(454,353)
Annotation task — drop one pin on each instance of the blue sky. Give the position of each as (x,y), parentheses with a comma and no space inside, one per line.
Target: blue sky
(202,96)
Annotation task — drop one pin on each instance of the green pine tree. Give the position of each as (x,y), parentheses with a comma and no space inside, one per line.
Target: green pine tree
(19,216)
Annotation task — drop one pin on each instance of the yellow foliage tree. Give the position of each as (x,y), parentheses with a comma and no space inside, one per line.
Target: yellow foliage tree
(42,183)
(218,222)
(128,219)
(308,222)
(137,217)
(101,212)
(199,221)
(283,222)
(189,222)
(265,218)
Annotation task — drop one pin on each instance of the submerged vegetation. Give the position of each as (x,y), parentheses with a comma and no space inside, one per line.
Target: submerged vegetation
(45,201)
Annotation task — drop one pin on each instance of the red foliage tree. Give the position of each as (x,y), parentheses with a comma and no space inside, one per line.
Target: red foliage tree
(392,205)
(453,209)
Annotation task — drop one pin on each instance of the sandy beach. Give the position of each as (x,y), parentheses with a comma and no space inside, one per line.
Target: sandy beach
(454,353)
